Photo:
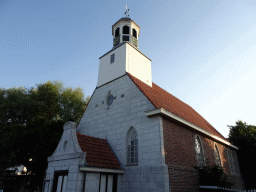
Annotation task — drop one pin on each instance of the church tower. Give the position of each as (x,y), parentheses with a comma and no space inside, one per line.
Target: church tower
(125,56)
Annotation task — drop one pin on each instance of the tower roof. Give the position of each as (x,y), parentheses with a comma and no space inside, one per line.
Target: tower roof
(125,19)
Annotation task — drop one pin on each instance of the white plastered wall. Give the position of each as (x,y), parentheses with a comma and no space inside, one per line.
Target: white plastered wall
(113,122)
(138,65)
(127,59)
(110,71)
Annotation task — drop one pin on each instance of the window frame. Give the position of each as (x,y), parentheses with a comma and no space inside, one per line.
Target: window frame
(217,155)
(117,32)
(231,162)
(112,58)
(132,133)
(237,165)
(202,162)
(134,33)
(128,30)
(126,36)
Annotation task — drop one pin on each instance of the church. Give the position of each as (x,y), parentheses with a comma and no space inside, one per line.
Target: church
(135,136)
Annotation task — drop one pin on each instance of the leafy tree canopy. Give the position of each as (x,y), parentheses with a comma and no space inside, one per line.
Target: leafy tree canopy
(31,122)
(244,137)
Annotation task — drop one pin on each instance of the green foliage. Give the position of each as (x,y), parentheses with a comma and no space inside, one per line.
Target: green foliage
(31,122)
(213,176)
(243,136)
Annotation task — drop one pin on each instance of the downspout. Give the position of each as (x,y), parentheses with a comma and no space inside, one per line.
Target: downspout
(84,181)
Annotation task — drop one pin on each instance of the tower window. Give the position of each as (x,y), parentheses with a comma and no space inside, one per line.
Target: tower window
(125,38)
(117,32)
(112,58)
(126,29)
(134,33)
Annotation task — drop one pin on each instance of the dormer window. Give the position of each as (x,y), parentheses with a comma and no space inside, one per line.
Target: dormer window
(126,29)
(117,32)
(134,33)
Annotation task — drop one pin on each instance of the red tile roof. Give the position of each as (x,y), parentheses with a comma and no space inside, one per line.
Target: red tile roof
(98,151)
(162,99)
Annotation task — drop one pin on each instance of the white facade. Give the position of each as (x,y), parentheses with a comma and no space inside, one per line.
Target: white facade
(138,65)
(110,71)
(67,157)
(113,122)
(127,59)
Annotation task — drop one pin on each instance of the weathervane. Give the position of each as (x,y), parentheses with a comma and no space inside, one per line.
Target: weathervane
(126,12)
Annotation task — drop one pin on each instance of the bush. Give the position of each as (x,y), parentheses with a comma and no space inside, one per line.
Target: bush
(213,176)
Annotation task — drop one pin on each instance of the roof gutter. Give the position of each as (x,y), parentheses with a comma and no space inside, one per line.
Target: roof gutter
(162,111)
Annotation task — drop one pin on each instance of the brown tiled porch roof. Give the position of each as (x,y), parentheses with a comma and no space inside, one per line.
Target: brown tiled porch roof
(99,154)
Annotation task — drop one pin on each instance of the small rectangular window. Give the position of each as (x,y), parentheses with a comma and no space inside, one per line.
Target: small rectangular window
(125,38)
(112,58)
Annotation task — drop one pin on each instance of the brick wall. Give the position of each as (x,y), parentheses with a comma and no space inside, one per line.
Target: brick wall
(180,156)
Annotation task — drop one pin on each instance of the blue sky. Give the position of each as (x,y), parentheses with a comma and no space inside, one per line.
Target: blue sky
(202,51)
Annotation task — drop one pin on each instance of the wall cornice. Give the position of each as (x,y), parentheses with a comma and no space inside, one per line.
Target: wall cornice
(162,111)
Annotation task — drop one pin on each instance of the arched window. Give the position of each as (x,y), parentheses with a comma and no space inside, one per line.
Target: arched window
(117,32)
(199,152)
(217,155)
(237,164)
(231,162)
(134,33)
(132,147)
(126,29)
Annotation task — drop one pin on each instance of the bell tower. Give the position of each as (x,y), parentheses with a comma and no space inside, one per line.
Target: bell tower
(125,56)
(125,30)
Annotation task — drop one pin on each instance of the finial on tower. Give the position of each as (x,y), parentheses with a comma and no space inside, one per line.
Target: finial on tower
(126,12)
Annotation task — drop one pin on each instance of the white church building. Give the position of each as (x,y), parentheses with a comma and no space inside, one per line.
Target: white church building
(134,136)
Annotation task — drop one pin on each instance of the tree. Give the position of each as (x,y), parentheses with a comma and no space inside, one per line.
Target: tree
(244,137)
(31,122)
